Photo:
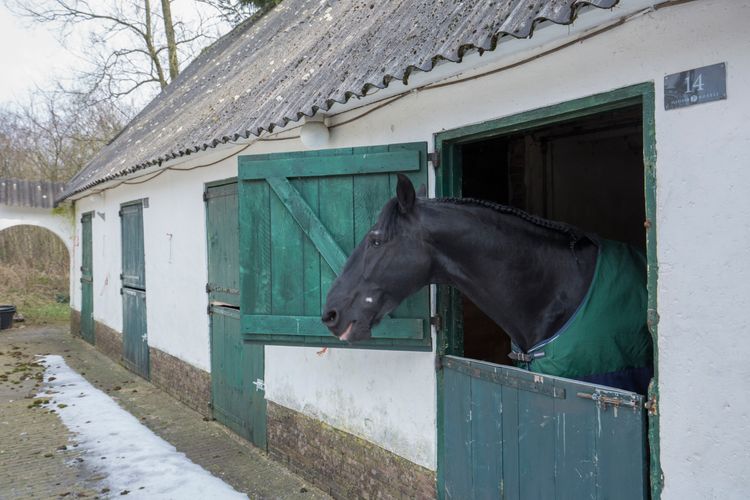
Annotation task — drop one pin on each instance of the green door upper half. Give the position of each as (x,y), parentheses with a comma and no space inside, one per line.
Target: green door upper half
(133,255)
(301,215)
(87,279)
(237,389)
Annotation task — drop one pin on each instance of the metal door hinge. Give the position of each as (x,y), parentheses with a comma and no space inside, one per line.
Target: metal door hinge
(437,322)
(208,309)
(208,287)
(119,212)
(652,406)
(205,196)
(434,158)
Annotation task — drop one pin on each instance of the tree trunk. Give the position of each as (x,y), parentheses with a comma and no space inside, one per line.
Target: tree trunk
(149,39)
(174,68)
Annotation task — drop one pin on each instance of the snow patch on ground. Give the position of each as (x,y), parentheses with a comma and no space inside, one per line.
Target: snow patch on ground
(136,460)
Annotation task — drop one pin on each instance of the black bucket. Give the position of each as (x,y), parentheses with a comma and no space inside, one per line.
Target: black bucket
(6,316)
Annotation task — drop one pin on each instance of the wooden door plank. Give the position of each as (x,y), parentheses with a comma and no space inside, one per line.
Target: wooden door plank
(510,487)
(575,443)
(536,440)
(331,164)
(255,294)
(287,282)
(311,292)
(486,439)
(406,328)
(621,449)
(458,445)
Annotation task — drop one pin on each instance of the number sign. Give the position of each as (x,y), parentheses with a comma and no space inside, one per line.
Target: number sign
(695,86)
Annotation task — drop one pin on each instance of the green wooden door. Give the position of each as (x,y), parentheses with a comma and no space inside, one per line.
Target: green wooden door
(301,214)
(134,333)
(509,433)
(237,390)
(134,337)
(87,279)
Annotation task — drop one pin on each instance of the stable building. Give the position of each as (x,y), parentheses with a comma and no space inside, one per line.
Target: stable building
(209,231)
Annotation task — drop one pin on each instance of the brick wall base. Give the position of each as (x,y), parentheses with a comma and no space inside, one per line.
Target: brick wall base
(345,466)
(75,322)
(182,380)
(108,340)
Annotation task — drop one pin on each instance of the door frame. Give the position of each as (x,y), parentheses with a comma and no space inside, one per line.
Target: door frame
(448,184)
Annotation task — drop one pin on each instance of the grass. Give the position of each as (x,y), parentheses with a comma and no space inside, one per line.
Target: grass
(41,297)
(34,274)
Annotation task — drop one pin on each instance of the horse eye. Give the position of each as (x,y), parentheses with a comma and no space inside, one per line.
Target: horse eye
(375,243)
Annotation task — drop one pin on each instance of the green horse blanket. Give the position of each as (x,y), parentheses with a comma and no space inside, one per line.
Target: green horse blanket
(606,341)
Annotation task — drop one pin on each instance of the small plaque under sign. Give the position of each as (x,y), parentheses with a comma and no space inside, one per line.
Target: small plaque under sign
(695,86)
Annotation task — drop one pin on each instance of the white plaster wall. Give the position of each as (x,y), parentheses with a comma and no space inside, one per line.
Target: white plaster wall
(703,188)
(59,223)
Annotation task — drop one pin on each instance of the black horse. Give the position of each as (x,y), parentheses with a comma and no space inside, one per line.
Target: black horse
(573,304)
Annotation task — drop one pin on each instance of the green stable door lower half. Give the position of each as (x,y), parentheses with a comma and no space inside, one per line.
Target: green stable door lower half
(237,390)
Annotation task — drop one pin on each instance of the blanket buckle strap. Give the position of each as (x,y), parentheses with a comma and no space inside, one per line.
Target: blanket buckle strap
(523,357)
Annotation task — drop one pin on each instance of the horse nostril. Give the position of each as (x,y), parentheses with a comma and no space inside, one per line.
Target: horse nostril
(330,317)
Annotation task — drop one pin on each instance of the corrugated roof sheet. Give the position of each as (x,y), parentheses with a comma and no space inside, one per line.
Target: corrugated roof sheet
(34,194)
(304,56)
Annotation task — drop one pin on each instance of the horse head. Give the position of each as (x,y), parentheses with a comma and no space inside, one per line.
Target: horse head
(389,264)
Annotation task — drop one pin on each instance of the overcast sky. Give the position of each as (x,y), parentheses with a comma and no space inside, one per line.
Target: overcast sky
(29,54)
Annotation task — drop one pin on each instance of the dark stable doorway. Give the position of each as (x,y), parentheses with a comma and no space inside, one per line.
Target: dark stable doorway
(587,172)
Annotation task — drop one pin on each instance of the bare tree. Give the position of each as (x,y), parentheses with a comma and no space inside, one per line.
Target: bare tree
(236,11)
(52,135)
(126,49)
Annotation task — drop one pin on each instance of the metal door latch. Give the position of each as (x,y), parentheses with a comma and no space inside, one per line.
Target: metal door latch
(603,400)
(259,385)
(652,406)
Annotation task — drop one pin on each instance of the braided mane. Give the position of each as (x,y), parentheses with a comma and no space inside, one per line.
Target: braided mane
(573,233)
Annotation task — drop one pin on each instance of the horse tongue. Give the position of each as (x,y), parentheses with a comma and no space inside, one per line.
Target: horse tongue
(347,333)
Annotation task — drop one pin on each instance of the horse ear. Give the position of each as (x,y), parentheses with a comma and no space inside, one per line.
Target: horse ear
(422,191)
(405,194)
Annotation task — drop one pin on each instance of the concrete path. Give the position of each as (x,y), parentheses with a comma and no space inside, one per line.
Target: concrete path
(40,458)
